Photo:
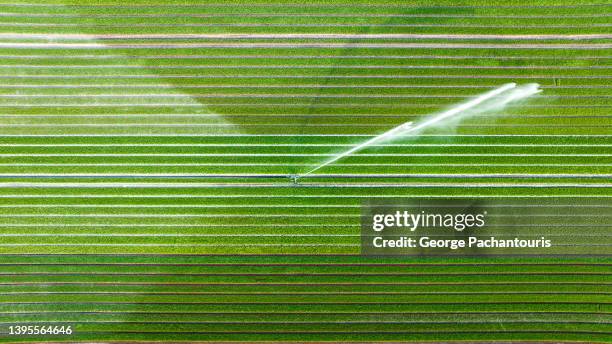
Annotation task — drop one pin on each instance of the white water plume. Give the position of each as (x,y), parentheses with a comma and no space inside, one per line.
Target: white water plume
(491,101)
(101,88)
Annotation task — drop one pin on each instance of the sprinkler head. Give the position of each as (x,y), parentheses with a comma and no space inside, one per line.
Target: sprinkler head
(294,179)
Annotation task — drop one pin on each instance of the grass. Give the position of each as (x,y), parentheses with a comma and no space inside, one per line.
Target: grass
(243,297)
(252,257)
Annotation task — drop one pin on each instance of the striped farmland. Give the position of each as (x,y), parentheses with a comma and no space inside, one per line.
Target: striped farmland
(148,152)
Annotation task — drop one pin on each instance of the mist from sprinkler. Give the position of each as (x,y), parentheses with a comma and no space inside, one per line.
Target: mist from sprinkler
(494,100)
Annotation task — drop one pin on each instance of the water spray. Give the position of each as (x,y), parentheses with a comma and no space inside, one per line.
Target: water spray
(393,132)
(510,91)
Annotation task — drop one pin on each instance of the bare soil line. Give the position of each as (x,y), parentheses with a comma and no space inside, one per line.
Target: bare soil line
(304,36)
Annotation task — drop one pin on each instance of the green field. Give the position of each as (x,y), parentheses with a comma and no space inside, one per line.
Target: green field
(147,150)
